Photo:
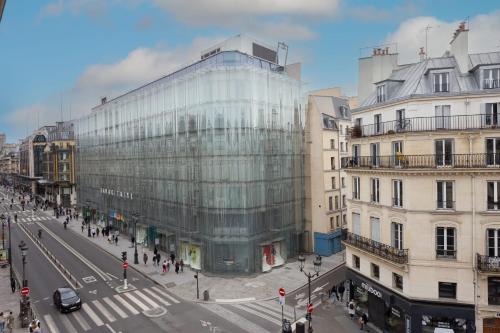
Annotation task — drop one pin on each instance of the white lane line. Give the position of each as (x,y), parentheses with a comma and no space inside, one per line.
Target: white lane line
(136,301)
(256,313)
(277,308)
(92,314)
(104,311)
(126,304)
(157,297)
(112,275)
(264,310)
(67,324)
(50,323)
(165,294)
(115,307)
(147,299)
(110,328)
(235,318)
(234,300)
(82,322)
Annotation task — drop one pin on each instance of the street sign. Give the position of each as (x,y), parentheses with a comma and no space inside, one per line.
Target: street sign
(125,265)
(282,292)
(25,291)
(310,308)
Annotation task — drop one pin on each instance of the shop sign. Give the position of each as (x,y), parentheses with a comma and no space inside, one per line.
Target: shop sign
(370,289)
(117,193)
(443,324)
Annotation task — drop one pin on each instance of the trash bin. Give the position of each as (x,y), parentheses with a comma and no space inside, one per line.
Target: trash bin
(300,327)
(205,295)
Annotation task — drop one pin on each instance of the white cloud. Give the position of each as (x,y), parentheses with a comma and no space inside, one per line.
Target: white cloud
(410,35)
(93,8)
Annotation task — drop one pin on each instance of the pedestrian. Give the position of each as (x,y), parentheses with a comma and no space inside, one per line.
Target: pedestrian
(10,322)
(145,258)
(158,258)
(164,266)
(177,267)
(351,308)
(363,320)
(109,239)
(97,231)
(2,322)
(155,251)
(133,240)
(116,240)
(182,266)
(341,291)
(333,293)
(93,232)
(172,257)
(168,266)
(13,285)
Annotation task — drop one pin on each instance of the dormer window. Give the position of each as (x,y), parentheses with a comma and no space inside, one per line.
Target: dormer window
(491,78)
(441,82)
(381,93)
(343,111)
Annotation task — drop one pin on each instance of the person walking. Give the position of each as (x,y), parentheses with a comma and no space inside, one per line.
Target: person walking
(341,291)
(182,266)
(177,267)
(82,227)
(333,293)
(97,231)
(168,266)
(2,322)
(10,322)
(363,320)
(351,308)
(116,240)
(158,258)
(145,258)
(172,257)
(164,266)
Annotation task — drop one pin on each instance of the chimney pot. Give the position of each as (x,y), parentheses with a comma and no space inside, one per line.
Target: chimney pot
(103,100)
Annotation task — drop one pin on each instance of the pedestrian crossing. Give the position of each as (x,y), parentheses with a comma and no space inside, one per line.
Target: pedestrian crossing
(28,219)
(270,311)
(99,312)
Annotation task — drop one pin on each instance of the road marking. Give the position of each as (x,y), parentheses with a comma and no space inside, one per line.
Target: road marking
(50,323)
(125,304)
(319,288)
(92,314)
(235,300)
(165,294)
(93,291)
(157,297)
(82,322)
(277,308)
(69,327)
(89,279)
(115,307)
(104,311)
(146,298)
(256,313)
(234,318)
(110,328)
(136,301)
(267,311)
(112,275)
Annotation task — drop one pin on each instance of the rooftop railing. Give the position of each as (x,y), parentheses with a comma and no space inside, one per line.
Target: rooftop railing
(485,160)
(398,256)
(423,124)
(488,264)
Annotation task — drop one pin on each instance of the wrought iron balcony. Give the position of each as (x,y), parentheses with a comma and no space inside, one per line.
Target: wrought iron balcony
(423,124)
(488,264)
(398,256)
(486,160)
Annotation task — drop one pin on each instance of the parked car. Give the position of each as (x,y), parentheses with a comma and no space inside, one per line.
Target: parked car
(66,299)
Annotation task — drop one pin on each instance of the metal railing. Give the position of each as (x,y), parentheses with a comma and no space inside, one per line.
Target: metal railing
(488,264)
(446,254)
(445,204)
(485,160)
(422,124)
(398,256)
(491,84)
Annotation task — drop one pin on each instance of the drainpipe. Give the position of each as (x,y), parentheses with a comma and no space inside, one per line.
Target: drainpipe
(474,258)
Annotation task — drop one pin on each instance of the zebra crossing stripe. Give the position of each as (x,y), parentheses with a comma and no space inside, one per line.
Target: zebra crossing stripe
(165,294)
(277,308)
(115,307)
(67,324)
(50,323)
(136,301)
(157,297)
(268,312)
(125,304)
(256,313)
(104,311)
(92,314)
(82,322)
(146,298)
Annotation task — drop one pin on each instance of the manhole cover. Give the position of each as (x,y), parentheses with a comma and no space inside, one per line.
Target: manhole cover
(155,312)
(170,285)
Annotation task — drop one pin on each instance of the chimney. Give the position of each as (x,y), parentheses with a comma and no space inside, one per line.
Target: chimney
(421,53)
(104,100)
(460,47)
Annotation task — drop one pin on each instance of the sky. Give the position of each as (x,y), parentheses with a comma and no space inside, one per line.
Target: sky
(59,57)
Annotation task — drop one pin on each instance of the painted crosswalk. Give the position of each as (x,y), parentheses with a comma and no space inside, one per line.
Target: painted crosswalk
(28,219)
(99,312)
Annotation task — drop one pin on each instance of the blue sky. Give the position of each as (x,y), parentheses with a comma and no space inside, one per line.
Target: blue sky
(69,53)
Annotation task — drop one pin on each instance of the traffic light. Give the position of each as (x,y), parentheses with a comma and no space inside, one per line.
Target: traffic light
(124,255)
(308,316)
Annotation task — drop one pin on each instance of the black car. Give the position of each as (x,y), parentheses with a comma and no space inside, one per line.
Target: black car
(66,299)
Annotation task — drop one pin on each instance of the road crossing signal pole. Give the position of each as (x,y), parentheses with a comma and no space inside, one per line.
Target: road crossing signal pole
(124,265)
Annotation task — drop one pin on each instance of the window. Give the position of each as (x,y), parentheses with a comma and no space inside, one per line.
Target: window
(356,153)
(332,143)
(441,82)
(445,195)
(493,240)
(344,200)
(444,152)
(381,95)
(355,261)
(400,120)
(443,116)
(491,78)
(358,122)
(330,203)
(355,188)
(342,180)
(336,202)
(493,197)
(494,290)
(332,163)
(334,184)
(375,150)
(375,271)
(397,193)
(397,281)
(377,123)
(445,242)
(447,290)
(341,146)
(493,151)
(397,235)
(491,116)
(341,129)
(343,111)
(344,219)
(375,228)
(356,224)
(337,223)
(397,153)
(375,194)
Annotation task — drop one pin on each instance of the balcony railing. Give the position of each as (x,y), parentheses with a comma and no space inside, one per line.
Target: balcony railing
(424,161)
(398,256)
(445,204)
(491,84)
(422,124)
(488,264)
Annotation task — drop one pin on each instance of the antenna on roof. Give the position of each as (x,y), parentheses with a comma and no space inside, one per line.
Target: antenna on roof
(284,47)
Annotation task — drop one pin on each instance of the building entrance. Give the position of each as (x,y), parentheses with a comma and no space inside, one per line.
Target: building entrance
(491,325)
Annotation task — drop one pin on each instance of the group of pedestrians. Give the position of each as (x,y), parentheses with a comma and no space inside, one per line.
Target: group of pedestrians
(336,293)
(6,323)
(178,265)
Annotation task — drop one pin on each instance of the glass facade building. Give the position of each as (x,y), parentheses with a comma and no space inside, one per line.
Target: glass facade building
(207,162)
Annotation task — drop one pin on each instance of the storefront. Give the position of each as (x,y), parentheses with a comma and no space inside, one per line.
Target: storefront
(396,314)
(273,255)
(191,254)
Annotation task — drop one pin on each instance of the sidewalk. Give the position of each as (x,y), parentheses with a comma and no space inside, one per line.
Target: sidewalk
(221,289)
(9,301)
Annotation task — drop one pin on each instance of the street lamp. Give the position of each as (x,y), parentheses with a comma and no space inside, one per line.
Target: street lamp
(310,275)
(136,255)
(196,276)
(24,249)
(87,218)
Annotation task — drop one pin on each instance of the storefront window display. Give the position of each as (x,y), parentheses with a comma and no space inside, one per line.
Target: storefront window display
(191,255)
(272,256)
(436,324)
(395,320)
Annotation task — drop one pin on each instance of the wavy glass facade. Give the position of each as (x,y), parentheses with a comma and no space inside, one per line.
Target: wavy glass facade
(211,158)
